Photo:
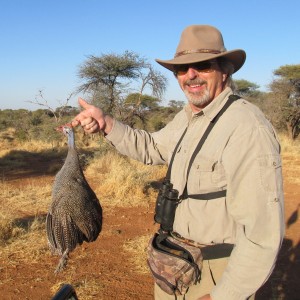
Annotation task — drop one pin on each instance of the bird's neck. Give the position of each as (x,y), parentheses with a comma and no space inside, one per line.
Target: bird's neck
(71,140)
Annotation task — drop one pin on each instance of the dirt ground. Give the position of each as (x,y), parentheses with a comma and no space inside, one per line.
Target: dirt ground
(105,263)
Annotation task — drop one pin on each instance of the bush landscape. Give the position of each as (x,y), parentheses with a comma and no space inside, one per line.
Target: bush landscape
(114,266)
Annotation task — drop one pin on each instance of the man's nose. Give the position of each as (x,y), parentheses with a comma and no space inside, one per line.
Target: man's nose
(192,73)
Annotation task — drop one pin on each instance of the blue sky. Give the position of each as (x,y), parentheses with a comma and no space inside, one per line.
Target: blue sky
(44,42)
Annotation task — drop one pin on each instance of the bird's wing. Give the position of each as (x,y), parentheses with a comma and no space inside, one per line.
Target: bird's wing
(62,231)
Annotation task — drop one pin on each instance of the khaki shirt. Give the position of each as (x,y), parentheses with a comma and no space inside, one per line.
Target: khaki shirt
(240,155)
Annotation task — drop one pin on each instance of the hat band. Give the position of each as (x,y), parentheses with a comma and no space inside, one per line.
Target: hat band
(196,51)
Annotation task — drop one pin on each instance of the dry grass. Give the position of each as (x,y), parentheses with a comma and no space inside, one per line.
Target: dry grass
(122,181)
(27,245)
(86,289)
(24,243)
(6,228)
(22,207)
(9,143)
(28,199)
(117,180)
(138,253)
(290,147)
(290,155)
(22,223)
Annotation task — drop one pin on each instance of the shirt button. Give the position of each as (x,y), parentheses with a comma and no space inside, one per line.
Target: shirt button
(274,163)
(276,199)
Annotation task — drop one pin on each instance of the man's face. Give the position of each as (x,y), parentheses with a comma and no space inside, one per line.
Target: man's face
(201,82)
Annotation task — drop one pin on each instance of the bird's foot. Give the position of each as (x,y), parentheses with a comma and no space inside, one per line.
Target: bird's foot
(62,262)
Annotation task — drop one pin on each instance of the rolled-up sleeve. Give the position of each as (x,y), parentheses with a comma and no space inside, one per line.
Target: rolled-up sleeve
(255,201)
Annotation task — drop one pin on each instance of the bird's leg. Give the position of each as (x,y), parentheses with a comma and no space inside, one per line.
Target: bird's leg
(62,262)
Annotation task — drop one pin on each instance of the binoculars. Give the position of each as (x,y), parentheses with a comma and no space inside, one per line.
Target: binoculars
(166,204)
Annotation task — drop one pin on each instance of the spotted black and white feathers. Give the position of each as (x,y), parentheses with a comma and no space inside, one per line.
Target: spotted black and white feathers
(75,214)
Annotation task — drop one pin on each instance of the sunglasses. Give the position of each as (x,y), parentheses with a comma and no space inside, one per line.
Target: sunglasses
(202,67)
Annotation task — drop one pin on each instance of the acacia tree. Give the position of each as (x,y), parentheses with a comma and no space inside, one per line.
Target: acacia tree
(136,107)
(107,75)
(177,105)
(285,97)
(137,104)
(249,91)
(109,78)
(154,80)
(246,88)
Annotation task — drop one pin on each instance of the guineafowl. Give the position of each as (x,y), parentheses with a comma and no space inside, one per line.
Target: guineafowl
(75,214)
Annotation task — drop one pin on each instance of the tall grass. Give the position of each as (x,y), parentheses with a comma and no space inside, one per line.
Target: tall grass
(290,159)
(121,181)
(290,147)
(9,143)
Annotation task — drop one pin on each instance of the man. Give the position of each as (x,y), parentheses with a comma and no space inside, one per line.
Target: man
(240,156)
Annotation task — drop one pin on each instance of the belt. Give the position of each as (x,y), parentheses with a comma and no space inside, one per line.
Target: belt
(209,252)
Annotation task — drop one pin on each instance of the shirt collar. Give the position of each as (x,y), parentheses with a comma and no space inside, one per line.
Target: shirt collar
(212,109)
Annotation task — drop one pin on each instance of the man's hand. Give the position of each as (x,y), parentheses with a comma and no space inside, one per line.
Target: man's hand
(205,297)
(92,119)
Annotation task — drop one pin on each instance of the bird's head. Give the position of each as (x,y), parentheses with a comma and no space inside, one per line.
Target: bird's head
(66,129)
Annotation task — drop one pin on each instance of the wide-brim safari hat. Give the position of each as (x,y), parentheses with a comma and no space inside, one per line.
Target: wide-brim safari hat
(200,43)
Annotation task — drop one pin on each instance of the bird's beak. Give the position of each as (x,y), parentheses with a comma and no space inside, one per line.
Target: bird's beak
(61,127)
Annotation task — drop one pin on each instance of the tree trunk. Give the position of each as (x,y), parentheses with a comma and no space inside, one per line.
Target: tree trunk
(291,130)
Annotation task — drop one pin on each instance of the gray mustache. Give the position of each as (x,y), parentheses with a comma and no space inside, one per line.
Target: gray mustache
(194,81)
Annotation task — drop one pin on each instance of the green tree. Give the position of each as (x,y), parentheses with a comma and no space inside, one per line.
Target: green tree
(109,79)
(154,80)
(284,98)
(140,103)
(246,88)
(136,107)
(143,102)
(107,75)
(176,105)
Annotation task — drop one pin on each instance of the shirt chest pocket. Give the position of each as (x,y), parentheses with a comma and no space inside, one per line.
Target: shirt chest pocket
(207,175)
(270,169)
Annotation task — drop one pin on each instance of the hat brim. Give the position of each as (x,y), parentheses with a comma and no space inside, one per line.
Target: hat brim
(236,57)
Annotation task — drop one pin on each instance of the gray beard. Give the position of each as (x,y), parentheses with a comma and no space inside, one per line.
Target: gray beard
(198,100)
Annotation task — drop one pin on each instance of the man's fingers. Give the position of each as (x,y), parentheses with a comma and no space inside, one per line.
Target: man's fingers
(90,128)
(75,123)
(83,103)
(87,121)
(84,114)
(89,118)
